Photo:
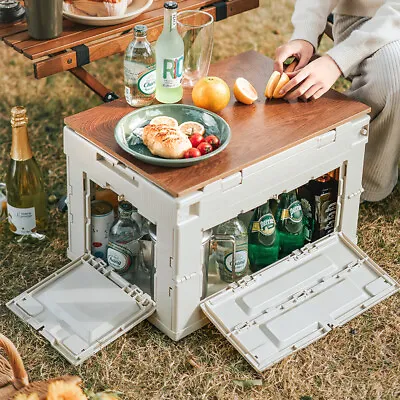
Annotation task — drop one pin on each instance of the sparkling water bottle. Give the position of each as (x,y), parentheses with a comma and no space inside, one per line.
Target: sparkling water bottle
(263,238)
(139,70)
(228,234)
(123,246)
(290,223)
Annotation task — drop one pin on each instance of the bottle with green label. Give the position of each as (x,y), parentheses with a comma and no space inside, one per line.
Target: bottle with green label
(169,58)
(123,246)
(140,70)
(290,223)
(228,234)
(263,238)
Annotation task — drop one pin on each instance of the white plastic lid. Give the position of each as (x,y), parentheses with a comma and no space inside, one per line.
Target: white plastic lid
(294,302)
(82,307)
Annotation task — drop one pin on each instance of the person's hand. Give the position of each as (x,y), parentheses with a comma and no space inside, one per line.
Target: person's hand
(301,49)
(313,80)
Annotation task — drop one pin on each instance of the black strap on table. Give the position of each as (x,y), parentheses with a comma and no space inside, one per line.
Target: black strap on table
(221,10)
(82,55)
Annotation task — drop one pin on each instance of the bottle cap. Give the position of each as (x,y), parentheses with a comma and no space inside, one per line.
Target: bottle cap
(18,116)
(140,30)
(125,206)
(171,5)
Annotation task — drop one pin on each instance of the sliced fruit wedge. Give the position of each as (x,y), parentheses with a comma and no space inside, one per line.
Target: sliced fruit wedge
(191,127)
(244,91)
(164,120)
(284,79)
(271,85)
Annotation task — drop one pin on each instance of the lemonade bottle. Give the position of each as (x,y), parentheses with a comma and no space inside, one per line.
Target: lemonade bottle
(169,58)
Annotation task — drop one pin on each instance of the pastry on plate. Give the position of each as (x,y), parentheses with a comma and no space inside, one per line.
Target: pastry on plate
(96,8)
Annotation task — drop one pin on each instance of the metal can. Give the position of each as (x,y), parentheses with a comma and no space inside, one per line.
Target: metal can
(102,218)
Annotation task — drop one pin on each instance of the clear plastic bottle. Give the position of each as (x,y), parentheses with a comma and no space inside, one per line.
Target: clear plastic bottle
(140,70)
(123,246)
(228,232)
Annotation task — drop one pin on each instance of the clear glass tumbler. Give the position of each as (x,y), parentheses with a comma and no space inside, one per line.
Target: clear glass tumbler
(197,31)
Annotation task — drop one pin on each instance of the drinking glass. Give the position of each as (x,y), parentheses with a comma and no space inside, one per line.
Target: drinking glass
(197,31)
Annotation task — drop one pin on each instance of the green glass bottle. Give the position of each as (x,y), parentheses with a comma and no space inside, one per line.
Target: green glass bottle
(263,238)
(290,223)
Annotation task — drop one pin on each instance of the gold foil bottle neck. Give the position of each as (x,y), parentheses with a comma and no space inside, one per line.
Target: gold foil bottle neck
(18,116)
(20,147)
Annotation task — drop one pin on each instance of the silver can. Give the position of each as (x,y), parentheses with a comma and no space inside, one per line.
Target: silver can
(102,218)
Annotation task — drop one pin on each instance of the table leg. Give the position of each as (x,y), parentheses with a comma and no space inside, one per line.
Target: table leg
(92,83)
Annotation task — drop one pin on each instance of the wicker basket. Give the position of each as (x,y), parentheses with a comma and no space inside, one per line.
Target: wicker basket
(14,379)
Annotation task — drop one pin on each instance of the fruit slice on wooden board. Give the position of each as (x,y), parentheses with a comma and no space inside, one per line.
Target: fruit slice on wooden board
(271,85)
(284,79)
(244,91)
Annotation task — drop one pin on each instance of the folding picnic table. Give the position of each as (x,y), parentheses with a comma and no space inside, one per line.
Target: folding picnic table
(79,44)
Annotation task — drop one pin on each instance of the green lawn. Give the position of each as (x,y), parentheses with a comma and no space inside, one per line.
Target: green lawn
(358,361)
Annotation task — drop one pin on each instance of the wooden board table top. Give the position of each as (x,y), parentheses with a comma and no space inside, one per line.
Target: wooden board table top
(65,52)
(258,131)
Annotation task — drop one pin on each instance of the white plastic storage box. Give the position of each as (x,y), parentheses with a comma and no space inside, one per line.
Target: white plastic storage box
(267,315)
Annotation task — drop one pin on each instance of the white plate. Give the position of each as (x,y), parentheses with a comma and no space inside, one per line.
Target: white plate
(136,8)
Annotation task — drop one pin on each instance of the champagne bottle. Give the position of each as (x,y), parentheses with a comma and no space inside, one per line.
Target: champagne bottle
(26,199)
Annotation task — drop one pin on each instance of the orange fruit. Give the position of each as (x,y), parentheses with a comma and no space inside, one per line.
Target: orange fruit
(275,83)
(271,85)
(282,82)
(211,93)
(244,91)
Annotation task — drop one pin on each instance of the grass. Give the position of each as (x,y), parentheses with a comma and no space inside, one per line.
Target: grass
(357,361)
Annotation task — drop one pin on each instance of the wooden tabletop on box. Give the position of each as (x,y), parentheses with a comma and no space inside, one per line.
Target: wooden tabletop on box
(258,131)
(80,44)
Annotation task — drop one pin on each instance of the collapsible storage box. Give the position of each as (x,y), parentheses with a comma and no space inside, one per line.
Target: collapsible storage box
(267,315)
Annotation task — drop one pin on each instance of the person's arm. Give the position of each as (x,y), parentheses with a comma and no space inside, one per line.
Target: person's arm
(381,29)
(316,78)
(309,21)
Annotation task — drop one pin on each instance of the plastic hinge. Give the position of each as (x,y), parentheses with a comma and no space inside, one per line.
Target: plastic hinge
(247,281)
(357,193)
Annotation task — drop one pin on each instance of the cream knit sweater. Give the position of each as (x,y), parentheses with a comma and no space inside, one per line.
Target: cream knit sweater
(383,27)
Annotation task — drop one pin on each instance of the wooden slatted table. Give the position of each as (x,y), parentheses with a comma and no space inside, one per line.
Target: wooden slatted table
(80,44)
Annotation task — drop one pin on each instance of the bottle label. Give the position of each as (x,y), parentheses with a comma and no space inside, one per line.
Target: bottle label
(147,82)
(173,21)
(240,261)
(295,212)
(119,257)
(22,220)
(128,95)
(265,225)
(172,71)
